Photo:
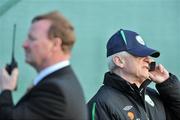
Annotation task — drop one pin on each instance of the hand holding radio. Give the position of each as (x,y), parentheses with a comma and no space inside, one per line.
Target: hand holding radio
(8,82)
(13,64)
(10,73)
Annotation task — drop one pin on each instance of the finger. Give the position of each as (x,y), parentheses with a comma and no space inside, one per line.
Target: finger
(151,76)
(15,73)
(161,68)
(14,77)
(1,71)
(4,72)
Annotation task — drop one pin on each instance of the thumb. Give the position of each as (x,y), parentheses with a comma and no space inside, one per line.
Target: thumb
(151,76)
(15,74)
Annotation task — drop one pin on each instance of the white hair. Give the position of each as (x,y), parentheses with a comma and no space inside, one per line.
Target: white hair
(111,64)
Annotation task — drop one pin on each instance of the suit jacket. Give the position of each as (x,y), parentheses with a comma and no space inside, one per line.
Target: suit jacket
(57,96)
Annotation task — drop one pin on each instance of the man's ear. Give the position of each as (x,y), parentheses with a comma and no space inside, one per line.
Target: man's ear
(57,43)
(118,61)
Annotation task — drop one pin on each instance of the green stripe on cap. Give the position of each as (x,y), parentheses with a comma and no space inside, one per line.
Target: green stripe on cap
(123,36)
(93,111)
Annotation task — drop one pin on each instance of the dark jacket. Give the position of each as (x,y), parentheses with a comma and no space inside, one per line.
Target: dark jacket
(119,100)
(58,96)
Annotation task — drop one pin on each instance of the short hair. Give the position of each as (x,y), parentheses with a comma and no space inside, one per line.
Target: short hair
(60,27)
(111,65)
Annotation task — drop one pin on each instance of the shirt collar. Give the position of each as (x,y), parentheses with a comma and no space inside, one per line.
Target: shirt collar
(49,70)
(117,82)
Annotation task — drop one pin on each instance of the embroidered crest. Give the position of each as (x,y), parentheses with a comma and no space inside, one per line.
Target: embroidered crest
(140,40)
(127,108)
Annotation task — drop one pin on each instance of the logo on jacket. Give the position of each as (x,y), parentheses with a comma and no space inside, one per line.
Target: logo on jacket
(127,108)
(130,114)
(149,100)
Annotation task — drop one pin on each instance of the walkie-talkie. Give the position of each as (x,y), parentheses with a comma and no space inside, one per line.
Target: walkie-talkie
(13,64)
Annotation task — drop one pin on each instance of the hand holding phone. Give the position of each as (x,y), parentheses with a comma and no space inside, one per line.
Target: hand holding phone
(158,73)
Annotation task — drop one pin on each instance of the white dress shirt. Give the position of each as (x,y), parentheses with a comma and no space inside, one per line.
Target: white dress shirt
(50,70)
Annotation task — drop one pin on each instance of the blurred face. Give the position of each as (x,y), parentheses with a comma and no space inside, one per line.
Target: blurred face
(38,46)
(138,67)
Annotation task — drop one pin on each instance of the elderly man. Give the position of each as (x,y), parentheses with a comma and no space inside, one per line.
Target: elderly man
(125,95)
(57,94)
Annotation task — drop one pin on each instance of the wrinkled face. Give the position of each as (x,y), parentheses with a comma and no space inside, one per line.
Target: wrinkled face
(137,67)
(38,46)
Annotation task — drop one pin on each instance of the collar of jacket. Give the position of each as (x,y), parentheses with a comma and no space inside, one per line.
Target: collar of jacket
(115,81)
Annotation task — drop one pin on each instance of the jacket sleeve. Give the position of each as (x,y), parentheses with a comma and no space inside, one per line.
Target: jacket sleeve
(43,103)
(6,104)
(170,94)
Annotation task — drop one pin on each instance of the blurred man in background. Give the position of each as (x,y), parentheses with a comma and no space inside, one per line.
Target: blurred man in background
(57,93)
(125,95)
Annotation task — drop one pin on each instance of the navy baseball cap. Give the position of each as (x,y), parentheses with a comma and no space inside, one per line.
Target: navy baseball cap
(126,40)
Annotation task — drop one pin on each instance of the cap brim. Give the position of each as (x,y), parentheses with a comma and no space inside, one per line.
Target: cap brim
(143,51)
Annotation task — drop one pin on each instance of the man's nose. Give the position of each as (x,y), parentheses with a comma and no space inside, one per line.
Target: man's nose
(25,44)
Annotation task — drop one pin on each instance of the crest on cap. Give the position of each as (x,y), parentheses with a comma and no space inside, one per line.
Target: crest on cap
(140,40)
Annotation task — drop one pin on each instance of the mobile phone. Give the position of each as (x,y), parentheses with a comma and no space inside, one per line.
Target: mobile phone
(152,66)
